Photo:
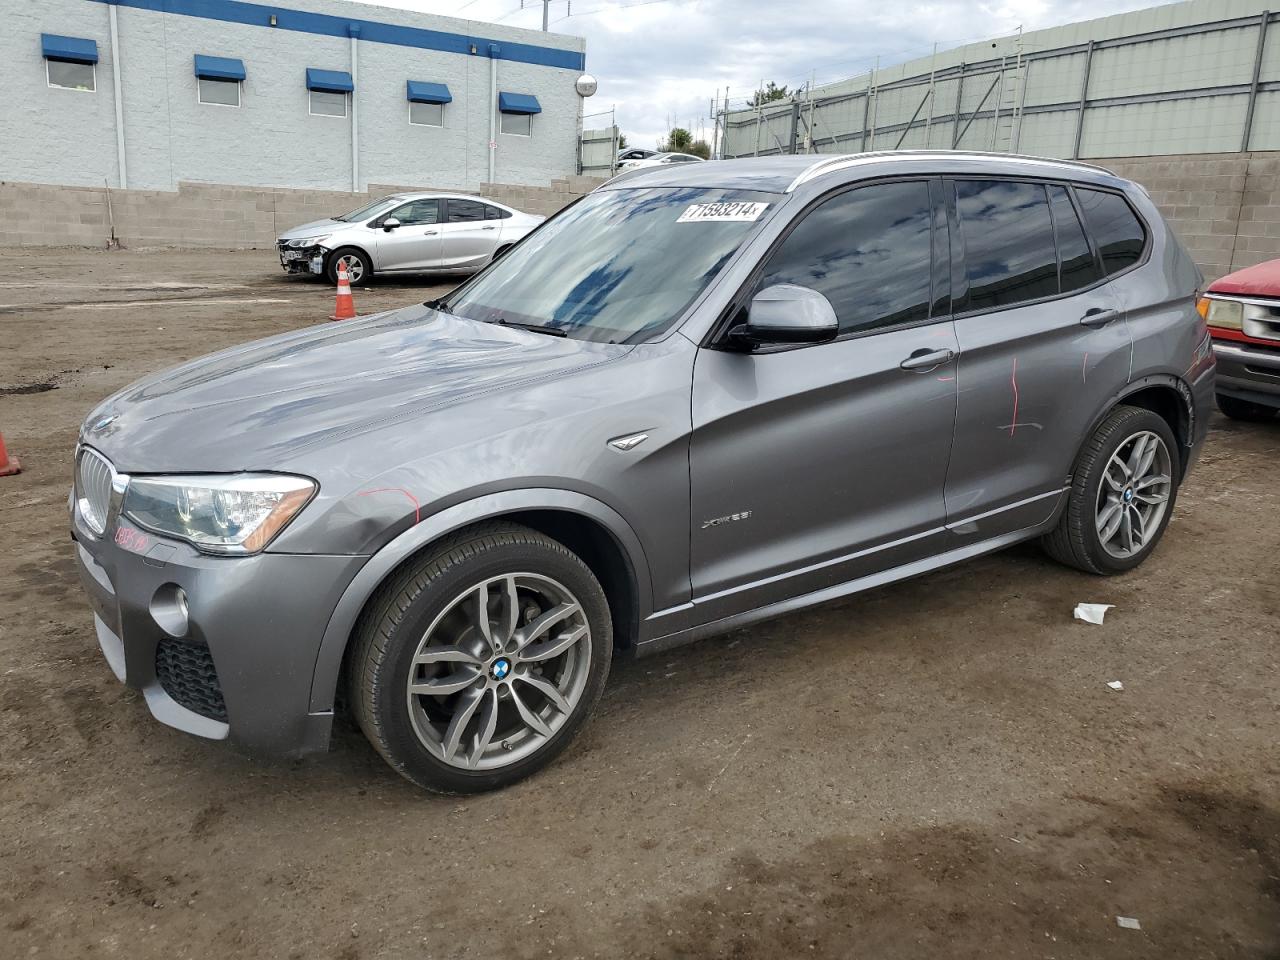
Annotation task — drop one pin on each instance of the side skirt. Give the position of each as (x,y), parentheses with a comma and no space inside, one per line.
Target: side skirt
(879,579)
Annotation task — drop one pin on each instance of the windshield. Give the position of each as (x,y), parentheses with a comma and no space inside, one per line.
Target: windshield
(370,209)
(619,266)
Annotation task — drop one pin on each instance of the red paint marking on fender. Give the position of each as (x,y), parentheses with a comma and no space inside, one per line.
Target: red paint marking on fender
(417,509)
(1013,424)
(945,379)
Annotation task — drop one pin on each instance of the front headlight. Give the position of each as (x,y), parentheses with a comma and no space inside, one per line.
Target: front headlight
(218,514)
(309,241)
(1226,314)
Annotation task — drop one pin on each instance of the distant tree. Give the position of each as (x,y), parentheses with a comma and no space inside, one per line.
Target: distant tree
(679,140)
(622,141)
(700,148)
(769,94)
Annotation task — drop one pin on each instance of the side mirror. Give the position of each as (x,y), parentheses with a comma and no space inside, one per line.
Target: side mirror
(390,224)
(788,313)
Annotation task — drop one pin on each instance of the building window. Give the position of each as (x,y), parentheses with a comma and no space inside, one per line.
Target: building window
(517,124)
(325,103)
(71,76)
(225,93)
(426,114)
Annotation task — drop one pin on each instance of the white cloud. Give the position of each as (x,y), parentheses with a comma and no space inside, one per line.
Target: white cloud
(664,61)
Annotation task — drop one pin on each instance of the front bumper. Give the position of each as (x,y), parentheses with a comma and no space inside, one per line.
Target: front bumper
(1248,372)
(242,669)
(308,260)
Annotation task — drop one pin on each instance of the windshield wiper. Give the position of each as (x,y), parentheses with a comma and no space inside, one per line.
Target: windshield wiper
(531,327)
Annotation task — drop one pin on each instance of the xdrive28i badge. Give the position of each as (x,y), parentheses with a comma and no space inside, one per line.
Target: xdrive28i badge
(721,521)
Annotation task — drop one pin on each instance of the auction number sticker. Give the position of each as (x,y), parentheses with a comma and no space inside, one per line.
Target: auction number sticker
(739,211)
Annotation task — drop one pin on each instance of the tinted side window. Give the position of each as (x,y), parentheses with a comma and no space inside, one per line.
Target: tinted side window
(1115,227)
(867,251)
(461,211)
(1010,255)
(1078,267)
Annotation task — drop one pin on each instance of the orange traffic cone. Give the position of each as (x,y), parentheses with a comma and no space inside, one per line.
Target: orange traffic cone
(8,465)
(345,308)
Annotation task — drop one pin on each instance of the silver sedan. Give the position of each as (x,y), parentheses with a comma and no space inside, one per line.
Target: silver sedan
(406,233)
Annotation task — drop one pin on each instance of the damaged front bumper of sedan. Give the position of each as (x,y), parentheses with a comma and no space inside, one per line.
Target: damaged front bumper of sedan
(302,256)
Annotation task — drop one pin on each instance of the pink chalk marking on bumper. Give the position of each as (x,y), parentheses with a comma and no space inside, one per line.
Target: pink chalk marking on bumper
(1013,424)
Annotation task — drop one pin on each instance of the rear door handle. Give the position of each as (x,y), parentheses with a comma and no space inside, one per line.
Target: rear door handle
(1097,317)
(488,228)
(430,233)
(924,359)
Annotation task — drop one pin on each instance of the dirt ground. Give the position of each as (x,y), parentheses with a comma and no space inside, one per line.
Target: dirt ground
(934,769)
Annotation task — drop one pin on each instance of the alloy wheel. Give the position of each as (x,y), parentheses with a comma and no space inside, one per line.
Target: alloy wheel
(499,671)
(354,266)
(1134,494)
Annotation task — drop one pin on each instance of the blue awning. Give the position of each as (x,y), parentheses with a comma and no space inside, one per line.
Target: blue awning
(420,91)
(219,68)
(518,103)
(329,81)
(70,49)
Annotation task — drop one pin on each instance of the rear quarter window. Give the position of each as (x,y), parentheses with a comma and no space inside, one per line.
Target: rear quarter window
(1116,229)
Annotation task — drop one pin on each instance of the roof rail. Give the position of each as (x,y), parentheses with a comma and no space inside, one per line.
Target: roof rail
(846,160)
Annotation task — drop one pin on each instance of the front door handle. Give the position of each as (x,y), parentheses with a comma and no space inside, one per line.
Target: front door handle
(430,233)
(924,360)
(1097,317)
(488,228)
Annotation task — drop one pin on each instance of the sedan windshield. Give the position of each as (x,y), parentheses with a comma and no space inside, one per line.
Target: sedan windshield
(369,209)
(619,266)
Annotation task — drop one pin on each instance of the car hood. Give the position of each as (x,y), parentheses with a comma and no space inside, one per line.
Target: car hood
(268,405)
(1262,280)
(313,228)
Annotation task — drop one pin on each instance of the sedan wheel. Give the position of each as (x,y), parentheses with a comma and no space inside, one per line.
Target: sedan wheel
(356,263)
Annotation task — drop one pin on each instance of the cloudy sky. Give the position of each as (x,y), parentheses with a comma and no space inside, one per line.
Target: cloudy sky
(661,61)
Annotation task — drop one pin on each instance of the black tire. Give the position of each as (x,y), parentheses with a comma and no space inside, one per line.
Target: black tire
(1075,541)
(400,613)
(366,265)
(500,253)
(1238,409)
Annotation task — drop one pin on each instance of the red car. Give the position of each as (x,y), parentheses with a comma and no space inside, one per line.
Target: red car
(1243,313)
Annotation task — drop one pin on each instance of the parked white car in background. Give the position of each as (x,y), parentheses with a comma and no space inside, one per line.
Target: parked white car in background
(659,159)
(406,233)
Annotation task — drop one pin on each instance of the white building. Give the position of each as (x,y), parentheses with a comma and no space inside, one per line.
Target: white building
(323,94)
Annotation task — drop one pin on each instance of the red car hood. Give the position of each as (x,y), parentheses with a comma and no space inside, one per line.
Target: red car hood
(1260,281)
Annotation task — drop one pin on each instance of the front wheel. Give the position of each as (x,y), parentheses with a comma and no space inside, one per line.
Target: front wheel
(359,269)
(1122,494)
(481,662)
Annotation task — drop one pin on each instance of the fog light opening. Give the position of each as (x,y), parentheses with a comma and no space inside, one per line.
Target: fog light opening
(169,610)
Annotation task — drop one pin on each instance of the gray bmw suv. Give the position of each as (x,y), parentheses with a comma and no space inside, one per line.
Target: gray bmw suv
(703,395)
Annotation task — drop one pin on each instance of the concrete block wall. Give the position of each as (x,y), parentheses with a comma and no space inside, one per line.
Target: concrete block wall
(1225,208)
(211,215)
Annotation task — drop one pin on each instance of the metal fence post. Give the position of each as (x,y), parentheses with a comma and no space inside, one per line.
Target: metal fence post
(1084,93)
(1263,21)
(955,117)
(795,122)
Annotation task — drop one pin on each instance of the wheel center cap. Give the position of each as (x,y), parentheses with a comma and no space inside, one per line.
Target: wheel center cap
(500,668)
(1128,494)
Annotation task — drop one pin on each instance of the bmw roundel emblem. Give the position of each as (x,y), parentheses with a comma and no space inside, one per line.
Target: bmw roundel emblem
(1128,495)
(501,667)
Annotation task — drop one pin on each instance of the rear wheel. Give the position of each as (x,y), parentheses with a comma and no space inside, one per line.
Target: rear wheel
(359,269)
(481,662)
(1122,494)
(1238,409)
